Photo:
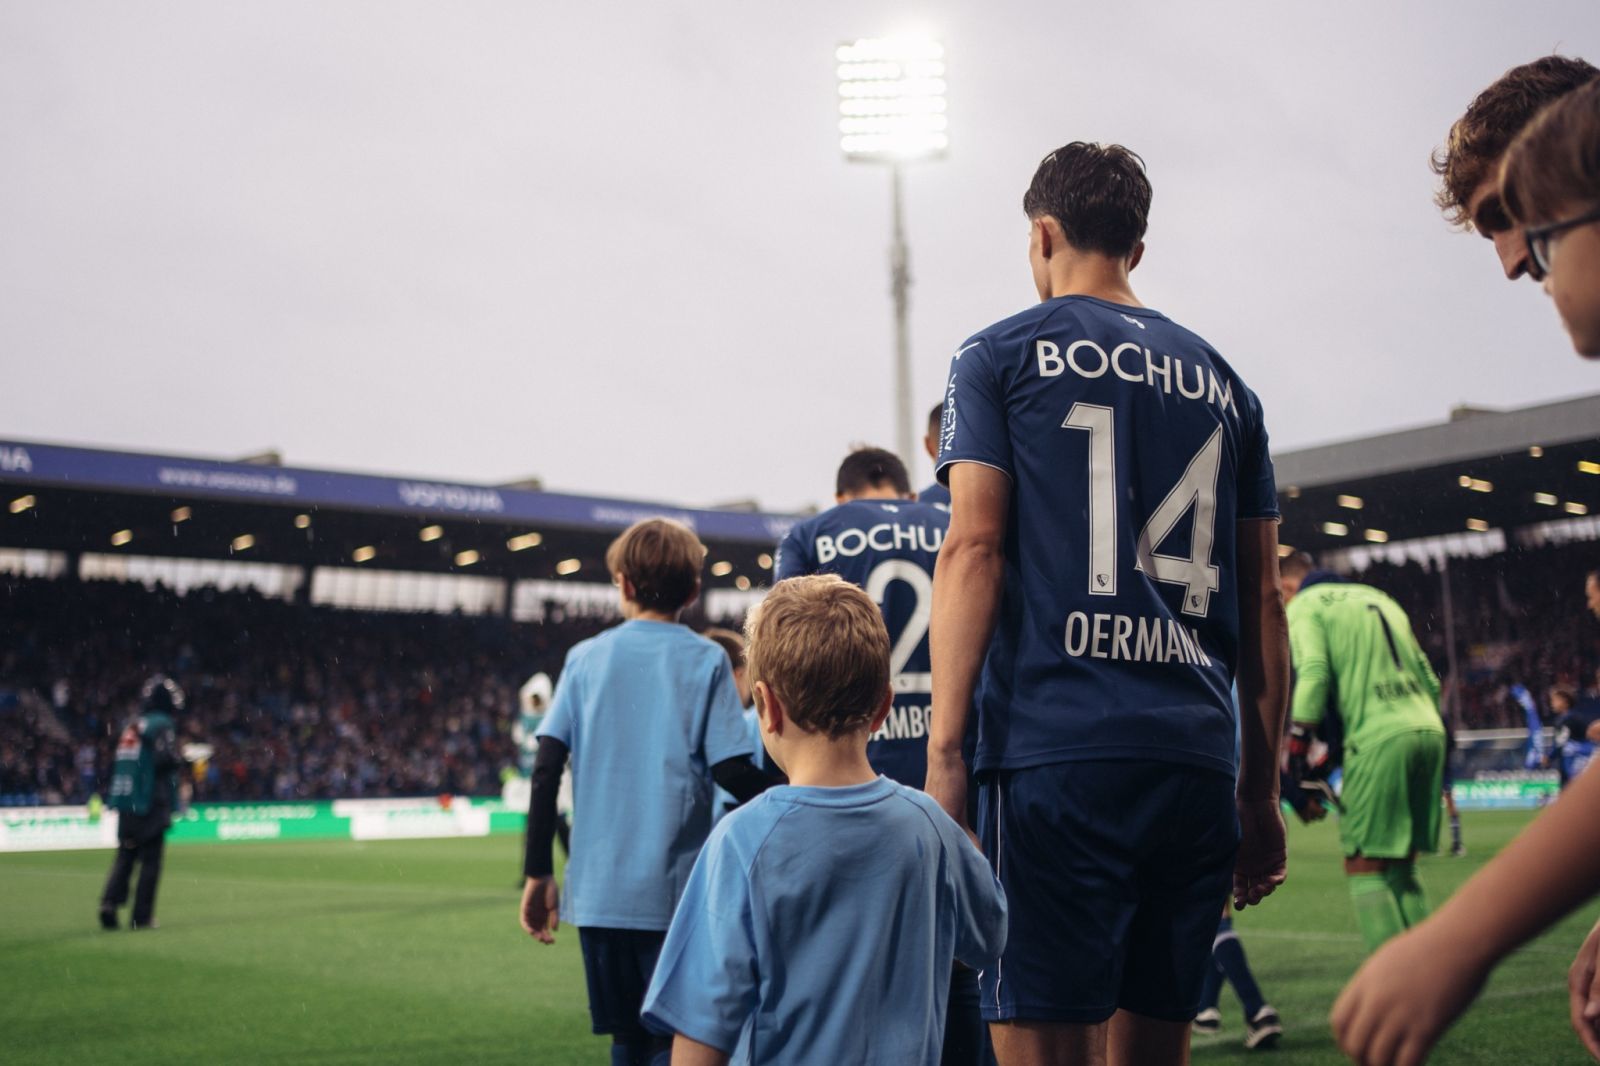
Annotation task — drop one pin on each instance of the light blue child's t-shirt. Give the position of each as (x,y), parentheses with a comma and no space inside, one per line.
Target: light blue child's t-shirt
(646,709)
(820,924)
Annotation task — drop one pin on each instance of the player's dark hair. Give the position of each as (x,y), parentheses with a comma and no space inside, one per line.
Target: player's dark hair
(730,642)
(661,560)
(871,468)
(936,419)
(1480,137)
(1099,194)
(1296,564)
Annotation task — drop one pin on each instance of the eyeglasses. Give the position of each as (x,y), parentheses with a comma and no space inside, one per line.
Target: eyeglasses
(1540,237)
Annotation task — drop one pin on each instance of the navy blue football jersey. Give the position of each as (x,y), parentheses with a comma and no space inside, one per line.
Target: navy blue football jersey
(935,494)
(889,548)
(1132,449)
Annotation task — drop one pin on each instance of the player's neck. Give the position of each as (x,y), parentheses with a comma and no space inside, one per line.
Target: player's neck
(1092,275)
(818,762)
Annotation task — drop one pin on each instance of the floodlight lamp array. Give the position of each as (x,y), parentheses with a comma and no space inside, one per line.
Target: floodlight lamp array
(892,99)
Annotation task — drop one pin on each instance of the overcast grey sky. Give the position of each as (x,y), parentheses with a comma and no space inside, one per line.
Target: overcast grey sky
(614,244)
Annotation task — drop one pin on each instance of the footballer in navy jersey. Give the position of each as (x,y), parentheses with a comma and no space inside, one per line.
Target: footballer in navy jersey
(1109,571)
(887,543)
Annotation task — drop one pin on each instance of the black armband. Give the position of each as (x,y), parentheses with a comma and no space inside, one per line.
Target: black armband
(742,778)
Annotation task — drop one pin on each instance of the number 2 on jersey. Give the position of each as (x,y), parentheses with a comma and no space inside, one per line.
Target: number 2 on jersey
(1196,490)
(916,626)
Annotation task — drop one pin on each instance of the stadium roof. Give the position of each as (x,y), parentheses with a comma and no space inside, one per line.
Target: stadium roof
(84,499)
(1480,470)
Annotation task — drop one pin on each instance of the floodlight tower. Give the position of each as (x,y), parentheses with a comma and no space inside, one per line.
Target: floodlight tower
(892,110)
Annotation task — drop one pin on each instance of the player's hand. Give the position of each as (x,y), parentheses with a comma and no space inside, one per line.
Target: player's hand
(1397,1006)
(947,784)
(541,907)
(1583,990)
(1263,853)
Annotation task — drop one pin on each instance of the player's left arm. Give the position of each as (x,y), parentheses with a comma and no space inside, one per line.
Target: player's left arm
(1425,673)
(967,583)
(1263,678)
(793,560)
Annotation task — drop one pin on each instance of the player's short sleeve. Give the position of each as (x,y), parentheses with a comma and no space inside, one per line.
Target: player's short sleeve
(974,429)
(793,560)
(1258,483)
(707,980)
(1308,651)
(727,733)
(561,721)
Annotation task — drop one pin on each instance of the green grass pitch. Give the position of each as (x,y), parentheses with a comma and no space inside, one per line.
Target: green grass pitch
(335,953)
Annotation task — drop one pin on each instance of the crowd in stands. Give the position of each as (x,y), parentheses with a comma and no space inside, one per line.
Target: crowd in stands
(310,702)
(297,701)
(1519,619)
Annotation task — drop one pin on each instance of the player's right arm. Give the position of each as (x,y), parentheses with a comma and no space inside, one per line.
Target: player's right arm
(1398,1005)
(1263,678)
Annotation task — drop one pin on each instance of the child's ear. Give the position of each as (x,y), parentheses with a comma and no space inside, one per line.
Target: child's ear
(883,709)
(769,709)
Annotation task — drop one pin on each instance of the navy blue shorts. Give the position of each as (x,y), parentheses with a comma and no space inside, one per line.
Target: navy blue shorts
(617,966)
(1114,873)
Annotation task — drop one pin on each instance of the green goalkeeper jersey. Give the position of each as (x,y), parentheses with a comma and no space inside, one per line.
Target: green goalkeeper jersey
(1354,651)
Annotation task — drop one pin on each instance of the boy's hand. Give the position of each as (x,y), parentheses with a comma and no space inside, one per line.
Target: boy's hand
(1398,1005)
(1584,993)
(541,907)
(1263,854)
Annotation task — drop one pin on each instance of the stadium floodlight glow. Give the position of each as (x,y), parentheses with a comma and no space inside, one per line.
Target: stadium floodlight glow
(1481,486)
(1351,503)
(892,110)
(181,514)
(1285,550)
(891,99)
(1293,492)
(1546,499)
(765,561)
(1335,529)
(302,521)
(721,569)
(1535,452)
(1376,536)
(568,567)
(243,542)
(1477,525)
(524,542)
(22,503)
(467,558)
(1586,467)
(365,553)
(741,583)
(1573,507)
(121,537)
(430,533)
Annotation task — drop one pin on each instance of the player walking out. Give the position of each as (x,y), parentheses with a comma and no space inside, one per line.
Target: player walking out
(1114,528)
(144,793)
(1353,647)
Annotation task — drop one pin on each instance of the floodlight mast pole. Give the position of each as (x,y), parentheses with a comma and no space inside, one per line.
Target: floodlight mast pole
(900,288)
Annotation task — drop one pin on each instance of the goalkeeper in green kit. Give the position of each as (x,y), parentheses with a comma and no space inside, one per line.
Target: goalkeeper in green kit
(1355,655)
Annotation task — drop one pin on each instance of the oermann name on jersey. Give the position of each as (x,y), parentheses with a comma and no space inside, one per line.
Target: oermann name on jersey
(1130,362)
(883,537)
(1124,637)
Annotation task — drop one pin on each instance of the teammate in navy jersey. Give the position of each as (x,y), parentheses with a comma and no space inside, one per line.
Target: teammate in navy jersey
(880,538)
(936,493)
(1114,529)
